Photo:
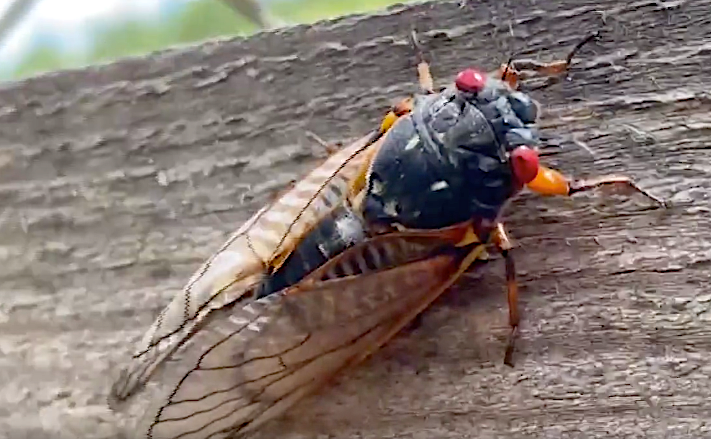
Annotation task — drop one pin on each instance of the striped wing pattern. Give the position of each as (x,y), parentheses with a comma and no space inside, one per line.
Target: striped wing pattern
(238,265)
(251,362)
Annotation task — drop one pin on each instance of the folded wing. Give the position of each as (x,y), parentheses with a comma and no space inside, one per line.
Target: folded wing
(251,362)
(229,276)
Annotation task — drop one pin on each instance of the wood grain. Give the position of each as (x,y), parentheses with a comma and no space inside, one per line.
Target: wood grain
(117,181)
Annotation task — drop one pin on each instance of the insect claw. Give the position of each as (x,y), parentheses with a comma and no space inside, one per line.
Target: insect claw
(511,347)
(504,243)
(661,202)
(593,36)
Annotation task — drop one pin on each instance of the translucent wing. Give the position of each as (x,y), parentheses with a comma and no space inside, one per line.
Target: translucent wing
(241,262)
(250,363)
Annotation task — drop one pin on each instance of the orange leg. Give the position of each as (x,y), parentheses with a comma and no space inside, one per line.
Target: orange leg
(503,243)
(515,70)
(551,182)
(612,180)
(424,75)
(424,79)
(402,108)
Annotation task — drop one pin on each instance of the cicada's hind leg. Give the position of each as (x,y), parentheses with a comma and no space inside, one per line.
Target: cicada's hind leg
(502,241)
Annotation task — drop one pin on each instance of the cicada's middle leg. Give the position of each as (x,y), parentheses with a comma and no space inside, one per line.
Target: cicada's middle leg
(504,244)
(517,69)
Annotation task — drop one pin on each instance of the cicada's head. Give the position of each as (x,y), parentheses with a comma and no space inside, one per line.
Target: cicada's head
(460,154)
(512,116)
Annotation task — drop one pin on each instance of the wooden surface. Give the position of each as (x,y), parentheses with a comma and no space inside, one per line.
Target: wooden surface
(117,181)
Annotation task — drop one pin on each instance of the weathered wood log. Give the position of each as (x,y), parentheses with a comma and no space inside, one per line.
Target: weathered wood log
(117,181)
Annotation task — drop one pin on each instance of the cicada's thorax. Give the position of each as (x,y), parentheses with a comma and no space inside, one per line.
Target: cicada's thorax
(447,162)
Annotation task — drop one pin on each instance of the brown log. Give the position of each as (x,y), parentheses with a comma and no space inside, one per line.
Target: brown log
(117,181)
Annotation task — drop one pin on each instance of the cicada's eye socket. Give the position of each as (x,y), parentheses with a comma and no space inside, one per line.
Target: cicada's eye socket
(524,164)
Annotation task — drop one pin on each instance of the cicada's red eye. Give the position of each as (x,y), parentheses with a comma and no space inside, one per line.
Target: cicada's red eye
(524,164)
(470,81)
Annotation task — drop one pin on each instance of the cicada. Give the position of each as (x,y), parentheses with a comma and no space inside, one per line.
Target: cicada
(329,272)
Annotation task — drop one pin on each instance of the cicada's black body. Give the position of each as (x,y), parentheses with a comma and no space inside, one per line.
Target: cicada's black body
(447,161)
(443,164)
(340,230)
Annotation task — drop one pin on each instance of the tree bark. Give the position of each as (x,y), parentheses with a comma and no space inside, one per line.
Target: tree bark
(117,181)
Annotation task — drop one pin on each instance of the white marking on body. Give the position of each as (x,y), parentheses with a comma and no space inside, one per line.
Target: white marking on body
(376,187)
(439,185)
(390,208)
(347,227)
(322,248)
(412,143)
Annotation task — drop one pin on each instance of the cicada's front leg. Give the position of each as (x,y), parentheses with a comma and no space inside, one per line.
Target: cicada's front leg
(516,70)
(551,182)
(424,75)
(503,243)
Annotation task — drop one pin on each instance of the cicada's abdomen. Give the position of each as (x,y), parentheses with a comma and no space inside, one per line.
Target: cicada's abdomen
(340,230)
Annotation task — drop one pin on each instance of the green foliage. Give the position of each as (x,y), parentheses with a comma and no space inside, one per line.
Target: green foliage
(198,21)
(308,11)
(42,59)
(205,19)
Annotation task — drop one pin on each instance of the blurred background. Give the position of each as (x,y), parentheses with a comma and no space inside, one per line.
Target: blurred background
(37,36)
